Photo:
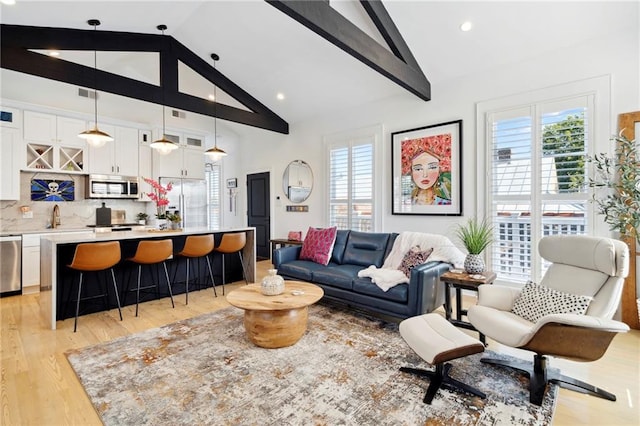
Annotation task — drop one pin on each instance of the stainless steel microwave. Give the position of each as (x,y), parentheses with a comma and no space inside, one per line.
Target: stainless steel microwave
(112,186)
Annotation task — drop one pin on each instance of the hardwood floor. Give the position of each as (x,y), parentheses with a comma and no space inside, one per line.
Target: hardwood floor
(38,386)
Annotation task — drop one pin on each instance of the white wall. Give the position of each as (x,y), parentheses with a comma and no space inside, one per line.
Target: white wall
(617,56)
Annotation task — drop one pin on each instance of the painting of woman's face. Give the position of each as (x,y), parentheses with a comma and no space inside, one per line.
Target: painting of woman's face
(425,169)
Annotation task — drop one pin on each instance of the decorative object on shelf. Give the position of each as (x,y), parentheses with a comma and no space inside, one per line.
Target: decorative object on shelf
(294,236)
(95,137)
(620,176)
(476,236)
(272,284)
(232,183)
(159,196)
(163,145)
(215,153)
(142,218)
(52,190)
(427,170)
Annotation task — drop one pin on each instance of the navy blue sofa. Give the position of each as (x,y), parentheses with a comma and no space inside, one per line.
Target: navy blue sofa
(354,251)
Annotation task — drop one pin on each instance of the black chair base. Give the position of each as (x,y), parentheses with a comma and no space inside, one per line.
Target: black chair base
(440,378)
(539,376)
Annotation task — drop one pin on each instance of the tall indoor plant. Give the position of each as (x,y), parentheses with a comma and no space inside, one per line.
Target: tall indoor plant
(616,182)
(476,236)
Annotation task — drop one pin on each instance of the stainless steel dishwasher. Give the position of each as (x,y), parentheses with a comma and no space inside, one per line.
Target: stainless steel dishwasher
(10,265)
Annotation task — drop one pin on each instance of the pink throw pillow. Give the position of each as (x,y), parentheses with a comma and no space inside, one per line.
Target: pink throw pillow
(414,257)
(318,245)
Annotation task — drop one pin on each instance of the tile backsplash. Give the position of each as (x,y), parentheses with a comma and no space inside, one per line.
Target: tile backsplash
(73,214)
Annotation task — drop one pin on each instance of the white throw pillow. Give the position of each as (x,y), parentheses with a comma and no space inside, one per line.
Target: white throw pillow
(537,301)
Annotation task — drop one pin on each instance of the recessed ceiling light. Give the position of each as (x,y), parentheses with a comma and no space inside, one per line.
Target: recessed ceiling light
(212,97)
(280,96)
(8,2)
(466,26)
(54,53)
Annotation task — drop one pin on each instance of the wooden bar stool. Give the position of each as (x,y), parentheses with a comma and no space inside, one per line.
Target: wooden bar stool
(152,252)
(229,244)
(197,247)
(96,257)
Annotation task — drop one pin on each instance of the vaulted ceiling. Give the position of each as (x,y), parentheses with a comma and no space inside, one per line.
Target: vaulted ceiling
(266,52)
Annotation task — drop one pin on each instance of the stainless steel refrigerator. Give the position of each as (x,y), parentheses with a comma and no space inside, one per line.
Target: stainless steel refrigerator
(189,197)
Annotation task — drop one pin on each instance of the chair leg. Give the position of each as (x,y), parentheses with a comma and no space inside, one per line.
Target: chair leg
(75,323)
(166,274)
(213,283)
(187,284)
(539,376)
(138,288)
(440,378)
(115,287)
(224,280)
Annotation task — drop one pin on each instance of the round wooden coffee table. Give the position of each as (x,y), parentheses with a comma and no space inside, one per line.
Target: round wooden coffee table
(275,321)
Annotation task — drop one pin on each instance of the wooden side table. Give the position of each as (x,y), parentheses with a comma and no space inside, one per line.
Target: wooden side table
(281,242)
(459,282)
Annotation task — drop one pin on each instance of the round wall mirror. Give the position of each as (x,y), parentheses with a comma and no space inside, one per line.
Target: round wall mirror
(297,181)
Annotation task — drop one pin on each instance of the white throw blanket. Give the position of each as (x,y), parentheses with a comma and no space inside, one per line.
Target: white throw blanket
(389,276)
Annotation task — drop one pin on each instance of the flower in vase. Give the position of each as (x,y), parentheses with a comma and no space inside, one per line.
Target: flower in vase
(159,196)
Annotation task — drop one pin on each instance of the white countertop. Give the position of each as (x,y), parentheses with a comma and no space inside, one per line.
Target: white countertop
(85,237)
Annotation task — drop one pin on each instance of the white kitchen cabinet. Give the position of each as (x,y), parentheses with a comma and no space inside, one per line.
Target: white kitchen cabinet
(51,143)
(185,162)
(9,163)
(118,157)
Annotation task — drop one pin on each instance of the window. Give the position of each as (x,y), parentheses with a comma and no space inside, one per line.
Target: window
(351,180)
(536,173)
(214,199)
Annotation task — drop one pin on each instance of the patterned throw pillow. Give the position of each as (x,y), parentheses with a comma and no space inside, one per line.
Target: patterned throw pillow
(318,245)
(412,258)
(537,301)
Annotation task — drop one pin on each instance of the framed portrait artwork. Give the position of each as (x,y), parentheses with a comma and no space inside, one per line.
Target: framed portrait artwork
(427,170)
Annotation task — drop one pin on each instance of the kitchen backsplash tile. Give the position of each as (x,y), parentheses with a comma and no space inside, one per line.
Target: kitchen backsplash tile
(73,214)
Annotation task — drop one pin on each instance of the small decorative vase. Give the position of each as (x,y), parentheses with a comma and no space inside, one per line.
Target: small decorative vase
(272,284)
(161,224)
(474,264)
(175,225)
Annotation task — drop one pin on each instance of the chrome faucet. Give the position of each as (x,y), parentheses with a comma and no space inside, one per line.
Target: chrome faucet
(55,219)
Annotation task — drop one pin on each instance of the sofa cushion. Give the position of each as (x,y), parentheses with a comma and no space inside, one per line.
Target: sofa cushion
(536,301)
(336,275)
(365,248)
(398,293)
(414,257)
(318,245)
(340,245)
(299,269)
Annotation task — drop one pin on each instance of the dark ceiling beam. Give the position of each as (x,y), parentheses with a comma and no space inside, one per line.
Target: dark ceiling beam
(399,66)
(16,55)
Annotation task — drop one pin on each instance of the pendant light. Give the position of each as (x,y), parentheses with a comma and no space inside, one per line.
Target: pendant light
(95,137)
(163,145)
(215,153)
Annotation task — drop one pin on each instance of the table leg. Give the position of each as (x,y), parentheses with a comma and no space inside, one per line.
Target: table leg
(276,329)
(447,301)
(458,304)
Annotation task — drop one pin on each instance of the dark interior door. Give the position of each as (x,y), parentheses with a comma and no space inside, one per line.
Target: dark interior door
(259,212)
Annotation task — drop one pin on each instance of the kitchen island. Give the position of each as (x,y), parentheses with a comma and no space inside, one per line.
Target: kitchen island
(57,251)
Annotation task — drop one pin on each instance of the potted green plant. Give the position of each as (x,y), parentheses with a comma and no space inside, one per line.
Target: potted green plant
(142,218)
(174,219)
(617,187)
(475,236)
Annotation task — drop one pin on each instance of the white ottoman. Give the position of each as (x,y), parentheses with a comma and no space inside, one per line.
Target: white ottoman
(436,341)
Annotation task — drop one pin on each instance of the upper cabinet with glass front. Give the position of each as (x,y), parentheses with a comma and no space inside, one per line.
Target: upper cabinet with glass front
(52,144)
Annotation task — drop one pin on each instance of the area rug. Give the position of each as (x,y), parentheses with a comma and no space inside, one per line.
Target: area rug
(344,371)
